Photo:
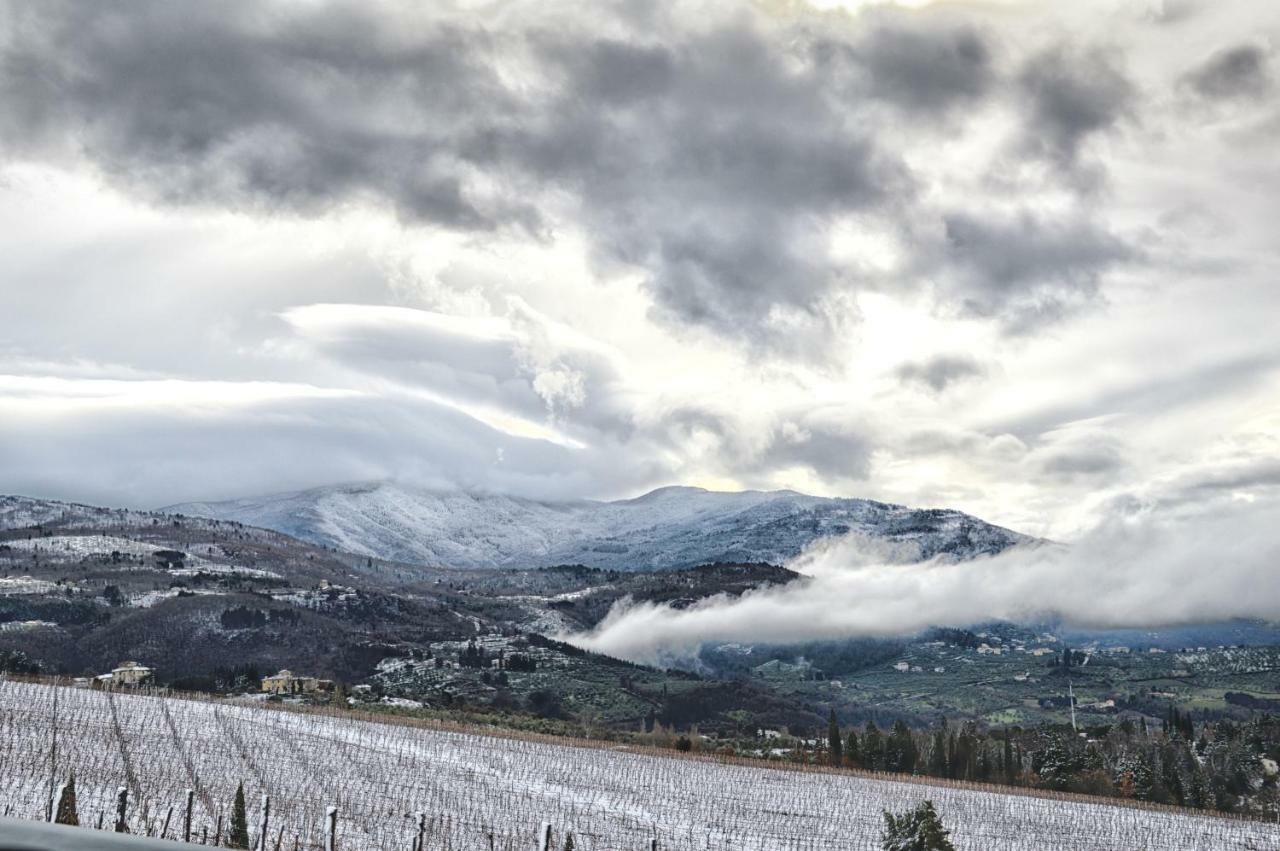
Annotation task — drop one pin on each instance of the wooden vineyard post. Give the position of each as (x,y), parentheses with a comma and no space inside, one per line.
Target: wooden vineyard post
(122,804)
(264,813)
(330,829)
(217,834)
(544,837)
(422,830)
(186,819)
(164,831)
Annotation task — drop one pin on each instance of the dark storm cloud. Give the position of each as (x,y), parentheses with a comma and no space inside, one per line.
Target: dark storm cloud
(1239,71)
(710,163)
(712,160)
(939,372)
(1072,96)
(922,69)
(1026,269)
(238,105)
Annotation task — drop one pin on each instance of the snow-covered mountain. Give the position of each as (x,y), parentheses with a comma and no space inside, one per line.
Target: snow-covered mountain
(667,528)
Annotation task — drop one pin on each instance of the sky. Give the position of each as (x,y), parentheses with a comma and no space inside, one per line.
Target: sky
(1014,258)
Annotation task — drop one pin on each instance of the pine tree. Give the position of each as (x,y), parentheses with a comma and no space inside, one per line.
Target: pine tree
(568,842)
(67,804)
(238,837)
(835,748)
(915,830)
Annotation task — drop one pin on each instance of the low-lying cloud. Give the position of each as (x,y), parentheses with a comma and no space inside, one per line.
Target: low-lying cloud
(1149,567)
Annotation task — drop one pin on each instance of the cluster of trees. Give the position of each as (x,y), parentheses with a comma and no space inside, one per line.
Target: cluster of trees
(1225,766)
(242,617)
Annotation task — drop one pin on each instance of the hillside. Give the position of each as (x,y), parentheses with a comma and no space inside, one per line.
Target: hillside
(474,789)
(667,528)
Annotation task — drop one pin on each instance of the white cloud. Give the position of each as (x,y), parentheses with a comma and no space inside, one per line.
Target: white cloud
(1144,568)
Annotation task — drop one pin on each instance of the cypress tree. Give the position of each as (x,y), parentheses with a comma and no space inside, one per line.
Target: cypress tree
(835,748)
(938,753)
(873,747)
(67,804)
(238,836)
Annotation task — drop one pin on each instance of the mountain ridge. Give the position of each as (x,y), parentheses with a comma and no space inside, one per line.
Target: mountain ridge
(667,528)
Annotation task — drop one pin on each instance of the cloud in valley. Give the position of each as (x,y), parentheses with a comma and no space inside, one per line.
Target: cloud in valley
(1146,568)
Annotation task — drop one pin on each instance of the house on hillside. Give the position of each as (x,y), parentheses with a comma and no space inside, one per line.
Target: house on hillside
(128,673)
(285,682)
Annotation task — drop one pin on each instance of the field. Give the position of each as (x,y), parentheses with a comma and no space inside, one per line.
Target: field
(480,792)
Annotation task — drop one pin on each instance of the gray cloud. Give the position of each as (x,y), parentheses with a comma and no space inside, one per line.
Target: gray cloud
(1026,269)
(1094,460)
(711,159)
(1072,96)
(920,68)
(1240,71)
(710,162)
(939,372)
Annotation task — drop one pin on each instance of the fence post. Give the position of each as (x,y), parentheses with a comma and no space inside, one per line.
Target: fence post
(122,803)
(330,828)
(168,815)
(186,820)
(544,837)
(422,829)
(264,813)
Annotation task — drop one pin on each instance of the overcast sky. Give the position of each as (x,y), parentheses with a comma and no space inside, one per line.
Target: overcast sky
(1017,258)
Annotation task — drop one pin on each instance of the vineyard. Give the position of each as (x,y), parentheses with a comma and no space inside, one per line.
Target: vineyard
(401,786)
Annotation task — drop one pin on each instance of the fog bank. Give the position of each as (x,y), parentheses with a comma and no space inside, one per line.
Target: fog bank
(1140,568)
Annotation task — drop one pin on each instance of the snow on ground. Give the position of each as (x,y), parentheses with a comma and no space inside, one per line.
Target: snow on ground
(670,527)
(13,586)
(471,786)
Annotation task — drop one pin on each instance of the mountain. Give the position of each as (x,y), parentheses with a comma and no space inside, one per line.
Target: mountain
(668,528)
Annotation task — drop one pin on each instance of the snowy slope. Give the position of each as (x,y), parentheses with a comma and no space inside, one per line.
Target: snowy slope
(481,791)
(668,528)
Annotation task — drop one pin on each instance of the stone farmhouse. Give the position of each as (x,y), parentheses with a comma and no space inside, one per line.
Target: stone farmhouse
(285,682)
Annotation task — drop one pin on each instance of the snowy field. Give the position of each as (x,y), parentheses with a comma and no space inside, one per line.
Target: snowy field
(380,776)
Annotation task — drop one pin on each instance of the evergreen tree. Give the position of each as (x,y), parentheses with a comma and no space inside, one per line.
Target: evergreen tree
(67,804)
(568,842)
(873,747)
(916,830)
(900,752)
(238,836)
(835,747)
(852,752)
(938,752)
